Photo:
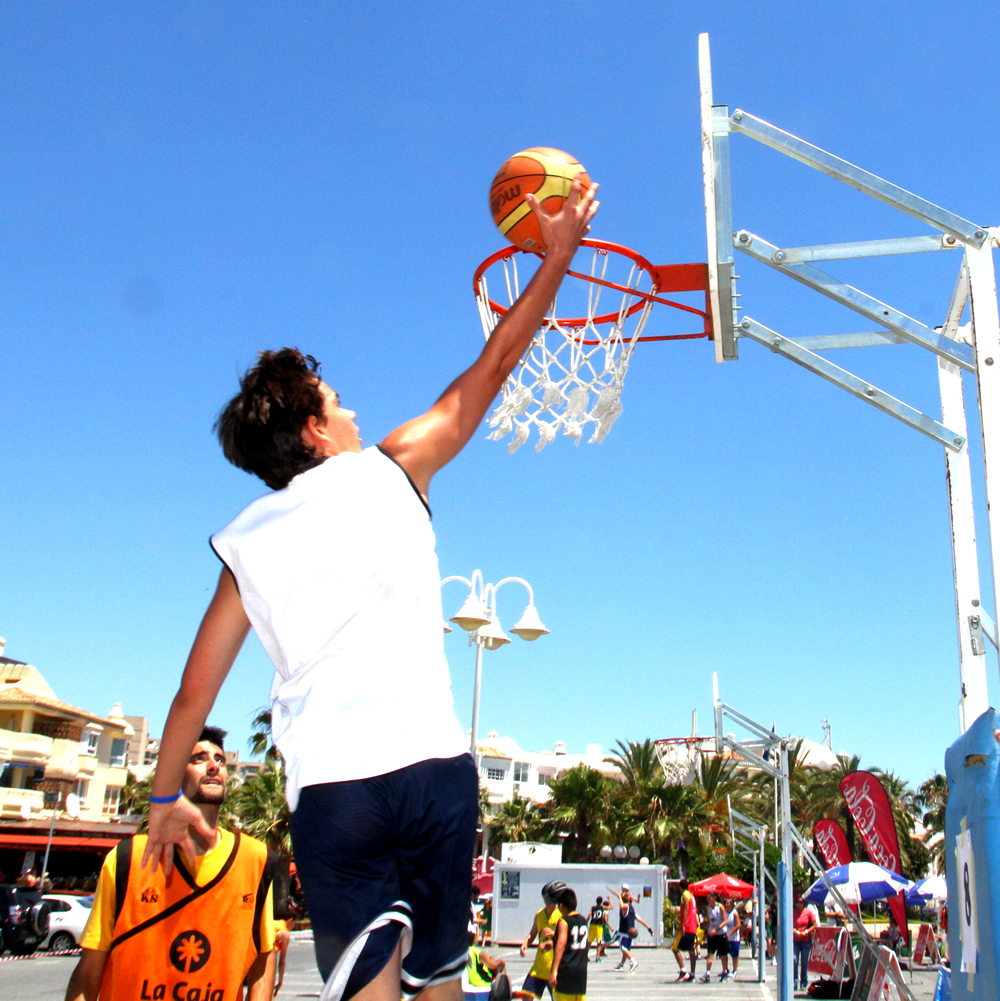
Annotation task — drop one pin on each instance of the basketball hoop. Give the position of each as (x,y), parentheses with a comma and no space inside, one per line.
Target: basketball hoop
(574,369)
(681,757)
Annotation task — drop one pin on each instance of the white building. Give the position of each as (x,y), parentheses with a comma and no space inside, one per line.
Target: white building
(506,771)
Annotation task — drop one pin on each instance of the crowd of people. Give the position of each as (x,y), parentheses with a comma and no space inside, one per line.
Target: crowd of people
(721,931)
(562,937)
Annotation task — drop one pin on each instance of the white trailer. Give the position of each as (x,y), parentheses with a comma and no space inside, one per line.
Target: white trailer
(517,895)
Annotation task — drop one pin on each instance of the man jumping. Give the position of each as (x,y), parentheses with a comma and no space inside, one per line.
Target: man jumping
(336,572)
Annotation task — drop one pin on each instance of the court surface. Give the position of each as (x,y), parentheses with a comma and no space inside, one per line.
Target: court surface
(45,978)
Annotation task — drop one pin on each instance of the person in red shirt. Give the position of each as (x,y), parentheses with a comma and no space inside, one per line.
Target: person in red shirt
(686,939)
(803,926)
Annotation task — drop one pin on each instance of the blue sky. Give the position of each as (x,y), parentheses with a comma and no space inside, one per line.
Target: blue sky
(185,184)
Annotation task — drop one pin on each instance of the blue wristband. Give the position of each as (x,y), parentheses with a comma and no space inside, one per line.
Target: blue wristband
(166,799)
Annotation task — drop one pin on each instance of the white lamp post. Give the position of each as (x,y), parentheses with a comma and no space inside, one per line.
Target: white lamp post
(478,617)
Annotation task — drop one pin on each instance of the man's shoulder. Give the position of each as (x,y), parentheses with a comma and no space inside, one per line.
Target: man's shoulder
(248,843)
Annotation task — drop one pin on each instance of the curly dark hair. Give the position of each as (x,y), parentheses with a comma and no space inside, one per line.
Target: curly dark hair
(260,428)
(214,735)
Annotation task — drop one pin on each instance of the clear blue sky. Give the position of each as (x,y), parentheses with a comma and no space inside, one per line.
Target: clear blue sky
(182,185)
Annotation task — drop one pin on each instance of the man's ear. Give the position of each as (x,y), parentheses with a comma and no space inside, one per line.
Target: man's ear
(314,435)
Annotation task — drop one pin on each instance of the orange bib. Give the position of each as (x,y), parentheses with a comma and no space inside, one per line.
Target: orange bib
(176,941)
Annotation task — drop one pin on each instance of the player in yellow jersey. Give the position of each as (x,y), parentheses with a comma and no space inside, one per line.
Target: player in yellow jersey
(545,926)
(200,932)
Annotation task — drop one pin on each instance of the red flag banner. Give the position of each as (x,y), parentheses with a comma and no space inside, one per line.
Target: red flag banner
(831,842)
(869,806)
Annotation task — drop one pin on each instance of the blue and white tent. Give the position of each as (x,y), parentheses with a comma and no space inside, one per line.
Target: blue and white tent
(858,883)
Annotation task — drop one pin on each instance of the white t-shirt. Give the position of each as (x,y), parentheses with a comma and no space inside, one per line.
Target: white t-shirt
(339,578)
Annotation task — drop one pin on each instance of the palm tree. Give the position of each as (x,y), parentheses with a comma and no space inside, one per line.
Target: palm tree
(580,800)
(260,807)
(260,741)
(638,763)
(824,800)
(518,820)
(135,799)
(932,799)
(660,815)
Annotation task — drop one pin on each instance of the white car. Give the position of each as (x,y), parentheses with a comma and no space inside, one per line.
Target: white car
(66,921)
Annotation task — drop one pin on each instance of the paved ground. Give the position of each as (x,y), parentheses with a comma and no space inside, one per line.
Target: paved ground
(45,978)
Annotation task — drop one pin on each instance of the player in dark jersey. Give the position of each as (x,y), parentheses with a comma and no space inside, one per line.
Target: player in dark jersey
(569,963)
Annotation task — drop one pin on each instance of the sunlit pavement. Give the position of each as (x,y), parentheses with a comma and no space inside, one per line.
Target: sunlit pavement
(44,978)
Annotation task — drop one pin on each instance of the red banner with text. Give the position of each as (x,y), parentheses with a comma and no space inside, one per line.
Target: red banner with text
(871,811)
(831,843)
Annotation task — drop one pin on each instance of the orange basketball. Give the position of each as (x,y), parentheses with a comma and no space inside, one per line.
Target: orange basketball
(547,174)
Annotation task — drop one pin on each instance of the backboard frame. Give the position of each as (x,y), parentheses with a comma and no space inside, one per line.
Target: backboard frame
(972,348)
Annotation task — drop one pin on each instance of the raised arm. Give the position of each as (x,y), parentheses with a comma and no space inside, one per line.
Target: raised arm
(220,636)
(562,934)
(425,444)
(526,944)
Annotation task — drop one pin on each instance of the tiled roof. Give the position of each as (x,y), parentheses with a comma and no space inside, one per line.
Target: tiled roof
(491,752)
(16,695)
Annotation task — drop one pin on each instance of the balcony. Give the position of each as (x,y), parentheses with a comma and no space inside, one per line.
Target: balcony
(26,748)
(65,760)
(11,801)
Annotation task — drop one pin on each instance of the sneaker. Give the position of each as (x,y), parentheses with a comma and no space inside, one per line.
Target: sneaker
(600,959)
(689,978)
(724,975)
(619,967)
(681,977)
(706,978)
(632,966)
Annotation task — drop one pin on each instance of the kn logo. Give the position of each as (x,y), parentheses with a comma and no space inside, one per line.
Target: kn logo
(149,896)
(189,952)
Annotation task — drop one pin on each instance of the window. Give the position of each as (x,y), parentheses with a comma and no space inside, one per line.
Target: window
(521,769)
(88,745)
(81,787)
(55,904)
(112,795)
(496,774)
(543,779)
(119,749)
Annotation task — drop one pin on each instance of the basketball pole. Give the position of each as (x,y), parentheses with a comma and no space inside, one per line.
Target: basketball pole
(975,348)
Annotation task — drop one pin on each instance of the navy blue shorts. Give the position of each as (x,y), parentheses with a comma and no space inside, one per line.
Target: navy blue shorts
(387,856)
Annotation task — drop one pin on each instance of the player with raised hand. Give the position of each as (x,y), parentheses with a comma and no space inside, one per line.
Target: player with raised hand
(336,572)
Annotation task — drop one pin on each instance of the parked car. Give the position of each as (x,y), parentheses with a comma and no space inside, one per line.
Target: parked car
(67,917)
(24,919)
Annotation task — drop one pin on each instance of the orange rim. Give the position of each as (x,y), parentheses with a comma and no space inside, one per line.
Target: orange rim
(643,297)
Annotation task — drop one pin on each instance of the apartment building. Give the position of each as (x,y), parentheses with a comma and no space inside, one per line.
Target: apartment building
(48,749)
(506,771)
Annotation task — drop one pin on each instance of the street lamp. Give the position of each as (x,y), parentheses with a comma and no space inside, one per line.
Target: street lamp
(71,806)
(478,617)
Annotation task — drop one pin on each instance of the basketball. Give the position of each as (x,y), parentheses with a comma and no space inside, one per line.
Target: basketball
(545,173)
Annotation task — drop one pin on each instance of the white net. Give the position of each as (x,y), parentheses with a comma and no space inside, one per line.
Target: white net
(680,759)
(573,372)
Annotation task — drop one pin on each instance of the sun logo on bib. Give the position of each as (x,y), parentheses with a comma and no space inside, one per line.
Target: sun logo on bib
(189,952)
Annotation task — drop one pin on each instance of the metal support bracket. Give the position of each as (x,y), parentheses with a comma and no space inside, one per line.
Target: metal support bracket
(913,330)
(868,339)
(856,387)
(982,625)
(856,177)
(865,248)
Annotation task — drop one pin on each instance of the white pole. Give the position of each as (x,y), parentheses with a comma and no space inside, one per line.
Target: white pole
(965,560)
(708,177)
(475,697)
(786,969)
(986,330)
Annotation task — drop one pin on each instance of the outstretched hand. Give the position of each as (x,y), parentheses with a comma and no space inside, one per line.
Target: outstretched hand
(563,231)
(172,824)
